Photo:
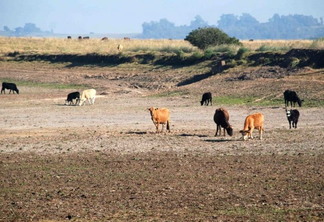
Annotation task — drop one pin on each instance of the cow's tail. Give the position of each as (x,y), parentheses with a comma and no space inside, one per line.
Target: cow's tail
(168,125)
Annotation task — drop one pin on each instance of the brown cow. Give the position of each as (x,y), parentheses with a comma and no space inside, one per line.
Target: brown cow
(160,116)
(253,121)
(221,118)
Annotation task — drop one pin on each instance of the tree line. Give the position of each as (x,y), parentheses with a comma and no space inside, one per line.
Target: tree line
(29,29)
(242,27)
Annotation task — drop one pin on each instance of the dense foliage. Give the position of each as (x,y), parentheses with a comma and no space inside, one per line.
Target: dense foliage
(205,37)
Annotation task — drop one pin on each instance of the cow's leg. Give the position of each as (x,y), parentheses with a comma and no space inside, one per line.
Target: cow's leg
(250,132)
(157,127)
(290,124)
(260,133)
(224,131)
(217,127)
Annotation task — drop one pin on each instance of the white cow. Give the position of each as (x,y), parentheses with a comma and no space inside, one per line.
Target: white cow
(88,94)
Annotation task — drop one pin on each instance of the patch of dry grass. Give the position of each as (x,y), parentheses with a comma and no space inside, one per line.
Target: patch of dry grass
(34,45)
(75,46)
(283,44)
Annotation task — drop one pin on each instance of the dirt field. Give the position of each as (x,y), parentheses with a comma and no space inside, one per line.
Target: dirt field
(105,162)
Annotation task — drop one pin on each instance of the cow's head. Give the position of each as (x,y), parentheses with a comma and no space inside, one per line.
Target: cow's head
(229,130)
(245,134)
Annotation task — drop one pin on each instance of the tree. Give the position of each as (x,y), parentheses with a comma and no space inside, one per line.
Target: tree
(205,37)
(6,29)
(198,23)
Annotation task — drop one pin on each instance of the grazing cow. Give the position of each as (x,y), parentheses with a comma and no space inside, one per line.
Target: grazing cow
(86,37)
(69,37)
(104,39)
(221,118)
(88,94)
(71,97)
(160,116)
(11,86)
(253,121)
(80,37)
(292,116)
(206,98)
(126,38)
(292,97)
(120,47)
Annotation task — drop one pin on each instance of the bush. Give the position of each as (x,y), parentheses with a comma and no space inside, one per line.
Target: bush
(205,37)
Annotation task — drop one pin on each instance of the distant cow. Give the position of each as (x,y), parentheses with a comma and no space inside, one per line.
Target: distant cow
(72,96)
(69,37)
(253,121)
(160,116)
(11,86)
(292,116)
(79,37)
(88,94)
(206,99)
(86,37)
(221,118)
(104,39)
(292,97)
(126,38)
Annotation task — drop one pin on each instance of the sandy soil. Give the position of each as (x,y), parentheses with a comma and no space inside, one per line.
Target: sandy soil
(105,161)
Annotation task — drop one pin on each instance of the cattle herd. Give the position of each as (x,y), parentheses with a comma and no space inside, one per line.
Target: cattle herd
(221,116)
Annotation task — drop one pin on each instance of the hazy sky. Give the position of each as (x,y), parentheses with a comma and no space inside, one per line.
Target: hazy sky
(127,16)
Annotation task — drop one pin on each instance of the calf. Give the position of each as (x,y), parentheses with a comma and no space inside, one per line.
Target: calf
(206,98)
(292,97)
(71,97)
(88,94)
(221,118)
(160,116)
(11,86)
(253,121)
(292,116)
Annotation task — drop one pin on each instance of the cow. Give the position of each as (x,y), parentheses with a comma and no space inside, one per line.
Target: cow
(79,37)
(86,37)
(292,116)
(292,97)
(126,38)
(11,86)
(104,39)
(221,118)
(253,121)
(72,96)
(69,37)
(120,47)
(88,94)
(206,99)
(160,116)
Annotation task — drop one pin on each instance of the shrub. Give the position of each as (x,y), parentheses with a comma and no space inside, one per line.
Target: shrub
(205,37)
(242,52)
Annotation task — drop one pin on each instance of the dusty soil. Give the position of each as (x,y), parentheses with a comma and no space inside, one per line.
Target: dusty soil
(105,162)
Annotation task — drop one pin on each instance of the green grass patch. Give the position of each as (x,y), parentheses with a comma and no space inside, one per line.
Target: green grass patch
(246,100)
(49,85)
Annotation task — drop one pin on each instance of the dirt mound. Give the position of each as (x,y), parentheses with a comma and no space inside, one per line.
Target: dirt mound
(268,72)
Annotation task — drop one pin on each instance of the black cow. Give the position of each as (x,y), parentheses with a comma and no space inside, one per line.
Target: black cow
(11,86)
(292,116)
(292,97)
(71,97)
(206,98)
